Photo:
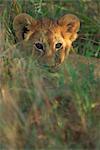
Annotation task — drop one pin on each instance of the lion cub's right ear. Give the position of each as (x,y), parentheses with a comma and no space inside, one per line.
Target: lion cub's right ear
(70,24)
(23,25)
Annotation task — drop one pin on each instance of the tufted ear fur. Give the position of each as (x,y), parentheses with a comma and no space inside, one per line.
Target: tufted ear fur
(70,24)
(22,25)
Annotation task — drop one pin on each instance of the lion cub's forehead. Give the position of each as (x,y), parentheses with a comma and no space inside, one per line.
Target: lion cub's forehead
(46,31)
(47,26)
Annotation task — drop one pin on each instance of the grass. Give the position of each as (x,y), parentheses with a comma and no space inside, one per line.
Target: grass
(44,110)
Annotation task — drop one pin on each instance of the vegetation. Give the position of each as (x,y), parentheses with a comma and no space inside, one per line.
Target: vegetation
(40,109)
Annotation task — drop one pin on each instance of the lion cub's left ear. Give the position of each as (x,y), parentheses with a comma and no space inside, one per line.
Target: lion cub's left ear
(23,25)
(70,24)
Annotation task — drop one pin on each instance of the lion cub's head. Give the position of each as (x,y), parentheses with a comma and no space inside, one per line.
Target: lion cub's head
(47,38)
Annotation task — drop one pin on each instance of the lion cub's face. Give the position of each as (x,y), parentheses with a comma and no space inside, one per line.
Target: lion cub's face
(48,39)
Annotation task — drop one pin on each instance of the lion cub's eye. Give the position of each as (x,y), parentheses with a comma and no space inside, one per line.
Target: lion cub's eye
(58,45)
(39,46)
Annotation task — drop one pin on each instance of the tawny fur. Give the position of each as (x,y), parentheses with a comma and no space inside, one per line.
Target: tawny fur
(48,32)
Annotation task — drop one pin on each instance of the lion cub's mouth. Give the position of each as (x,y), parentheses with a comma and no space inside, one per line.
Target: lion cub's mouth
(51,67)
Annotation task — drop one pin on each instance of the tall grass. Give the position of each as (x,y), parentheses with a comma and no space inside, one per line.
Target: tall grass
(44,110)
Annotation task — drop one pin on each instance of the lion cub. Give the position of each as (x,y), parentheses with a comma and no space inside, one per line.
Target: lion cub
(50,40)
